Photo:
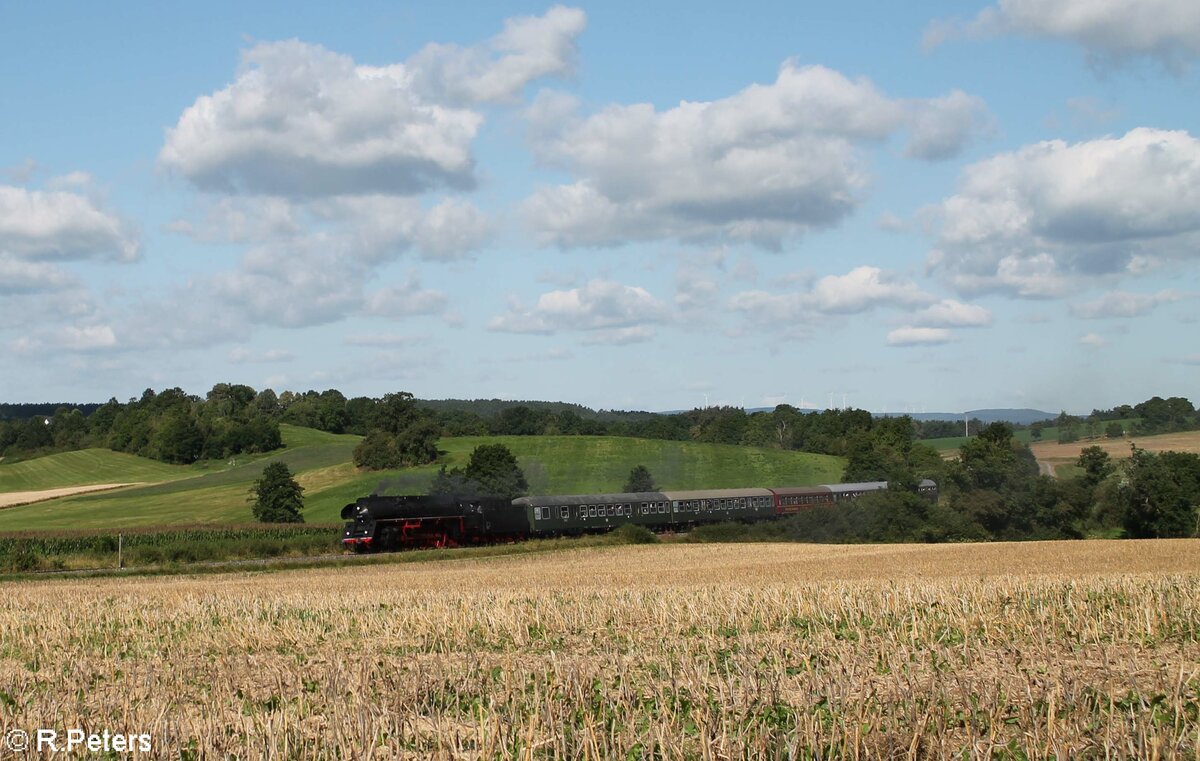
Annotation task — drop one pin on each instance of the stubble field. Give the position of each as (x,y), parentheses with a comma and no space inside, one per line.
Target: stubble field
(662,651)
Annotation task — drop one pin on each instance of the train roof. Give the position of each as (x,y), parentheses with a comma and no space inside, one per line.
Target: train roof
(788,491)
(858,486)
(590,499)
(717,494)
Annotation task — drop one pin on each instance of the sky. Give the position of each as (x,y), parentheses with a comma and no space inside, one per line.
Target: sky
(935,206)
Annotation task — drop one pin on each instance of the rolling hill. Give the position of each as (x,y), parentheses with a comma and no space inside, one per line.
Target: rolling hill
(322,462)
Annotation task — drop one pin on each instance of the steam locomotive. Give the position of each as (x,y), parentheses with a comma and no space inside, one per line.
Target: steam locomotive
(378,523)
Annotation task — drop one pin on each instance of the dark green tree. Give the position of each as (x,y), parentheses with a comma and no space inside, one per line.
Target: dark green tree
(1161,495)
(417,444)
(395,412)
(494,467)
(178,439)
(377,451)
(1114,430)
(276,495)
(453,484)
(640,480)
(1096,464)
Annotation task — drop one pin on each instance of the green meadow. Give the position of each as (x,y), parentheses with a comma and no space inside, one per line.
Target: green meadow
(217,493)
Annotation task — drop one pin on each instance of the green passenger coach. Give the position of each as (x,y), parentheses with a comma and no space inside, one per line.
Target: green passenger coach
(587,513)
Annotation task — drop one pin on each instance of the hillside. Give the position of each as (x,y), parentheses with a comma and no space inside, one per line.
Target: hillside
(553,464)
(86,466)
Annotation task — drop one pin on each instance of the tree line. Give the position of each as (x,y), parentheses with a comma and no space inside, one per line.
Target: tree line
(170,426)
(993,491)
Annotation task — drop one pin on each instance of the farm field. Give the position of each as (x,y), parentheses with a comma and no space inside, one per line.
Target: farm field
(14,498)
(322,462)
(86,467)
(1037,649)
(1064,454)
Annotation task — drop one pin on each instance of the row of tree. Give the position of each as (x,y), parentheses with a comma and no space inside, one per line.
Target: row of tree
(170,426)
(994,491)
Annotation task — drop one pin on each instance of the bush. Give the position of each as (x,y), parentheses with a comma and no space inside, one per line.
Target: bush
(719,532)
(633,534)
(23,558)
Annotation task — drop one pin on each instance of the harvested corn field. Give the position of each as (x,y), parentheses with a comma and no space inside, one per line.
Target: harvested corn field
(661,651)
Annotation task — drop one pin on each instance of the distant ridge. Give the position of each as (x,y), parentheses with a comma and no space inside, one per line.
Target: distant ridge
(1023,416)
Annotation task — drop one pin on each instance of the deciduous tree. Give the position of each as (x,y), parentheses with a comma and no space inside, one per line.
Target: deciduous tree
(276,495)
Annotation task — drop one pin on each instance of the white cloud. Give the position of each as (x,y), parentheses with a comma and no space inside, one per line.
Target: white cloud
(20,276)
(770,309)
(371,229)
(382,339)
(941,126)
(301,120)
(1168,30)
(915,336)
(864,288)
(620,312)
(861,290)
(949,313)
(407,299)
(241,355)
(1030,221)
(1123,304)
(295,285)
(767,163)
(71,181)
(242,220)
(451,230)
(529,48)
(73,338)
(36,224)
(376,228)
(1093,340)
(696,289)
(619,336)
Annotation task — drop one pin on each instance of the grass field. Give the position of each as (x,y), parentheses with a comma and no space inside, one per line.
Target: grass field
(553,464)
(1078,649)
(87,466)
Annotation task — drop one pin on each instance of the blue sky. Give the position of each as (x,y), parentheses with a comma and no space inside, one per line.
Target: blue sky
(938,206)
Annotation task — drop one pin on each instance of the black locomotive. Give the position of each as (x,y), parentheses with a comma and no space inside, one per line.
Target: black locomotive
(388,523)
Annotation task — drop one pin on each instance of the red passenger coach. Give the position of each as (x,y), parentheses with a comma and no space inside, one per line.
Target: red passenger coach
(793,499)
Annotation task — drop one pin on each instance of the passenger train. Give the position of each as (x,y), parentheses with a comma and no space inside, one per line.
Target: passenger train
(377,523)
